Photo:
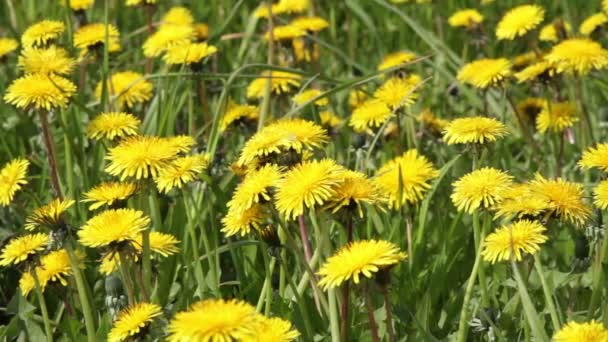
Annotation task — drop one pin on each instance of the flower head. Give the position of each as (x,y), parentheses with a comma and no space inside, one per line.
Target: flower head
(353,191)
(529,108)
(285,32)
(275,330)
(40,91)
(595,157)
(50,215)
(554,31)
(190,53)
(93,36)
(180,171)
(12,178)
(405,178)
(556,117)
(108,193)
(110,125)
(431,122)
(160,243)
(483,188)
(600,195)
(79,5)
(201,31)
(140,2)
(256,187)
(54,268)
(356,97)
(129,88)
(236,113)
(398,92)
(114,226)
(280,82)
(542,70)
(592,23)
(166,37)
(565,198)
(372,113)
(308,95)
(132,320)
(360,258)
(579,55)
(7,45)
(178,15)
(513,240)
(519,20)
(485,72)
(582,332)
(474,130)
(310,24)
(396,58)
(520,201)
(42,33)
(21,248)
(51,60)
(468,18)
(291,6)
(242,221)
(329,119)
(214,320)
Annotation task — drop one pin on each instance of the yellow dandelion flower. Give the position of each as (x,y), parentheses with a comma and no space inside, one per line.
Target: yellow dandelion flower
(275,330)
(181,171)
(523,60)
(304,51)
(133,320)
(128,88)
(142,156)
(140,2)
(556,117)
(255,188)
(292,6)
(592,23)
(285,32)
(542,71)
(12,178)
(310,24)
(431,122)
(49,215)
(307,184)
(178,15)
(405,178)
(166,37)
(21,248)
(51,60)
(485,72)
(356,97)
(353,191)
(474,130)
(398,92)
(513,240)
(181,143)
(468,18)
(79,5)
(280,82)
(582,332)
(396,58)
(372,113)
(595,157)
(42,33)
(40,91)
(565,198)
(600,195)
(308,95)
(579,55)
(530,107)
(519,201)
(237,113)
(483,188)
(7,45)
(551,32)
(329,119)
(519,21)
(112,227)
(360,258)
(201,31)
(215,320)
(54,268)
(108,193)
(93,36)
(242,221)
(190,53)
(110,125)
(263,11)
(160,243)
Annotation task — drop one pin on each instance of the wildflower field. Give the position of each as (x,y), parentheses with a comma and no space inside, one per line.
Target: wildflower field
(303,170)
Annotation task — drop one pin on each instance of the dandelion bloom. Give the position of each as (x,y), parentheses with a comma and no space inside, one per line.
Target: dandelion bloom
(143,156)
(329,119)
(541,71)
(522,60)
(483,188)
(160,243)
(113,226)
(396,58)
(242,221)
(307,184)
(582,332)
(398,92)
(214,320)
(46,61)
(468,18)
(133,321)
(49,215)
(372,113)
(474,130)
(93,36)
(40,91)
(42,33)
(108,193)
(519,21)
(256,187)
(485,72)
(530,107)
(7,45)
(405,178)
(556,117)
(292,6)
(353,191)
(140,2)
(523,236)
(177,15)
(521,202)
(237,113)
(565,198)
(600,195)
(285,32)
(275,330)
(356,97)
(592,23)
(191,53)
(201,31)
(310,24)
(12,178)
(595,157)
(54,268)
(280,82)
(549,32)
(110,125)
(129,88)
(304,51)
(431,122)
(579,55)
(309,94)
(79,5)
(21,248)
(359,258)
(166,37)
(181,171)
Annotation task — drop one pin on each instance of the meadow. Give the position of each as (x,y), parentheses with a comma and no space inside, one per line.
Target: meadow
(303,170)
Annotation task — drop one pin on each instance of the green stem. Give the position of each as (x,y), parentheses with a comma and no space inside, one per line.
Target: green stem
(146,261)
(389,313)
(267,281)
(464,312)
(126,279)
(265,108)
(547,292)
(45,312)
(333,315)
(598,278)
(373,327)
(82,293)
(198,267)
(301,305)
(532,316)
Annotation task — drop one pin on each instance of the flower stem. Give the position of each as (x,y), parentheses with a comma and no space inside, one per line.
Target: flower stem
(531,315)
(346,287)
(87,311)
(370,314)
(333,315)
(547,292)
(126,279)
(198,267)
(598,278)
(265,108)
(45,313)
(50,153)
(305,238)
(267,281)
(464,313)
(389,313)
